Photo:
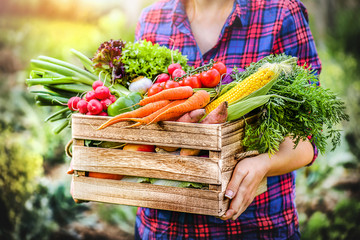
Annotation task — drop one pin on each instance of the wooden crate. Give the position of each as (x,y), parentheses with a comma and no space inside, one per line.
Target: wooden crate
(222,140)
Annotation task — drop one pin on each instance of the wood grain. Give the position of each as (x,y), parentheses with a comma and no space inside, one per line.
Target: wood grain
(222,140)
(147,195)
(145,164)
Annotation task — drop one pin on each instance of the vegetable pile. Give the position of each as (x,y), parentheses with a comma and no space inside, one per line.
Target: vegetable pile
(146,83)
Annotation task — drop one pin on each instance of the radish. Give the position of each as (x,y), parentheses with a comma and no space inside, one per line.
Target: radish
(102,92)
(97,84)
(72,103)
(94,106)
(106,103)
(163,77)
(103,114)
(112,98)
(172,67)
(82,106)
(178,73)
(90,95)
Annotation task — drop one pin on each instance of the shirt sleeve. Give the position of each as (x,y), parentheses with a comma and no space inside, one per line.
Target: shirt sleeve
(295,37)
(139,30)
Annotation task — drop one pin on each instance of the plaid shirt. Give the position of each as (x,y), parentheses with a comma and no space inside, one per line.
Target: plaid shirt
(253,30)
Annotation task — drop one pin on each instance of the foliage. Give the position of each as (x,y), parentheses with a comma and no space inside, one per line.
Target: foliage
(117,215)
(298,109)
(50,209)
(20,167)
(341,224)
(344,35)
(107,60)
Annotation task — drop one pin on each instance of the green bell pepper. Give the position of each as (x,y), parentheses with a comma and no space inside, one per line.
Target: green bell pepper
(124,104)
(136,98)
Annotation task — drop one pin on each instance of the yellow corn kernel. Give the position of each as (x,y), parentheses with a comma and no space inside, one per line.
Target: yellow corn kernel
(249,85)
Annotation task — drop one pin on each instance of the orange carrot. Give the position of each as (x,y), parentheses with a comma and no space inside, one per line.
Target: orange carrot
(150,117)
(169,94)
(199,100)
(137,113)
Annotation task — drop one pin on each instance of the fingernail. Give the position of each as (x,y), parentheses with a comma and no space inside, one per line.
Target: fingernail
(229,194)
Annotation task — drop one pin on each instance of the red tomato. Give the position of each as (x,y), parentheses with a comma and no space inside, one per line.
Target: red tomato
(171,84)
(181,82)
(210,78)
(220,67)
(172,67)
(178,73)
(192,81)
(155,88)
(163,77)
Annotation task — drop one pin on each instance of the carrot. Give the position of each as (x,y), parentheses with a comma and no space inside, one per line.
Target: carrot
(105,175)
(149,118)
(169,94)
(137,113)
(199,100)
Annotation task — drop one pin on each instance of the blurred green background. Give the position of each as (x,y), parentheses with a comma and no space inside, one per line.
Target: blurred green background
(35,202)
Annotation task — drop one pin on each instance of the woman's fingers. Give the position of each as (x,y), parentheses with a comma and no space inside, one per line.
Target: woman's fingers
(235,181)
(243,198)
(243,184)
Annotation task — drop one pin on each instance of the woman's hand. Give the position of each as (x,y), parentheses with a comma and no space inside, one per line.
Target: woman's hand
(249,172)
(244,182)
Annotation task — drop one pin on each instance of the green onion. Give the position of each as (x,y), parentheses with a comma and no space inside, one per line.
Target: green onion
(69,66)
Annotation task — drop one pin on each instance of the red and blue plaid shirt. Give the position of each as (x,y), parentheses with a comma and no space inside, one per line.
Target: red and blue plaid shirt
(253,30)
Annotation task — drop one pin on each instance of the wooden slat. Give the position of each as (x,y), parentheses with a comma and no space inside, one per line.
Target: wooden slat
(230,138)
(144,164)
(233,126)
(146,195)
(187,135)
(231,149)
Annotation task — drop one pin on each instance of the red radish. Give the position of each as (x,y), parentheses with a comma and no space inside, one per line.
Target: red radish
(94,106)
(97,84)
(112,98)
(103,114)
(106,103)
(178,73)
(102,92)
(90,95)
(171,84)
(172,67)
(163,77)
(82,106)
(72,103)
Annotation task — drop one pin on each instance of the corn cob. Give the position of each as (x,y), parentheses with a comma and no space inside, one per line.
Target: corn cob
(242,89)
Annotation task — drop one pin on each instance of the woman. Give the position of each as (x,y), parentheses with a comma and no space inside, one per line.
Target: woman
(237,33)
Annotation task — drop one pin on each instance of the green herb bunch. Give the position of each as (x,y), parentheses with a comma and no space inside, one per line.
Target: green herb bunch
(298,108)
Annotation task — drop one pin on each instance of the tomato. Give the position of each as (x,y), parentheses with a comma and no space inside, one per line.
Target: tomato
(181,82)
(220,67)
(155,88)
(178,73)
(192,81)
(172,67)
(163,77)
(171,84)
(210,78)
